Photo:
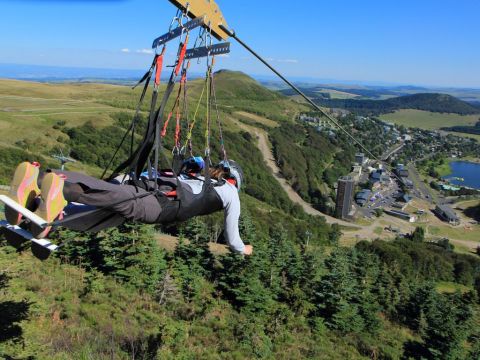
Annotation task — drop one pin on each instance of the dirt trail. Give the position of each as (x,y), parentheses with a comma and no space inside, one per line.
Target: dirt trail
(355,231)
(266,149)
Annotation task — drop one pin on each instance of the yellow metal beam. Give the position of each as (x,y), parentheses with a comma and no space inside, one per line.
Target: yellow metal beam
(207,8)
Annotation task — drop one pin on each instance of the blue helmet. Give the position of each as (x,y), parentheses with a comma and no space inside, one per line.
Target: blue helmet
(194,164)
(234,170)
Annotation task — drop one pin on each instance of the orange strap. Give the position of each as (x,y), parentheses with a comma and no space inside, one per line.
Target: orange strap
(171,193)
(164,130)
(183,81)
(177,129)
(182,56)
(159,67)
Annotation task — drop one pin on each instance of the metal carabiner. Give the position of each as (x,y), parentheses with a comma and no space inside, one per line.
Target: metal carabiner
(185,14)
(175,18)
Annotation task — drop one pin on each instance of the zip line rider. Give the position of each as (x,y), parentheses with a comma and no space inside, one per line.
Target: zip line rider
(129,202)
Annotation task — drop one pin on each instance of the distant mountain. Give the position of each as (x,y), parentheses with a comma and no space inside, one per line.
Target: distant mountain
(440,103)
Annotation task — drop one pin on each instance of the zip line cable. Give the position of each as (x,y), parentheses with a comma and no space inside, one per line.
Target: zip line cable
(232,34)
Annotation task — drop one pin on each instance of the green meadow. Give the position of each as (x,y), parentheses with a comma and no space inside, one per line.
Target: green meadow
(428,120)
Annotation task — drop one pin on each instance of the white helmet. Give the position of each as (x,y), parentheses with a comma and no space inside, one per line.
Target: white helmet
(234,170)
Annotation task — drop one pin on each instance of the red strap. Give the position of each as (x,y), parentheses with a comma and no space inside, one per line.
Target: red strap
(159,67)
(182,56)
(164,130)
(171,193)
(177,129)
(183,80)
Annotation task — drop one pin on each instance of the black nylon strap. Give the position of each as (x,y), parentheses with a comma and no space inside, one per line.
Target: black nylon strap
(147,77)
(145,149)
(148,74)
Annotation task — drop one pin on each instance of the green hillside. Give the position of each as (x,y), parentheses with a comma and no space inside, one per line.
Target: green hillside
(119,294)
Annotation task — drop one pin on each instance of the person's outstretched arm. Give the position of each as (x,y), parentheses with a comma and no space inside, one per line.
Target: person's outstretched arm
(231,203)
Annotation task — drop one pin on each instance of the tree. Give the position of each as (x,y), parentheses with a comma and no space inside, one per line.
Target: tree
(334,234)
(448,326)
(129,253)
(445,243)
(418,235)
(378,212)
(336,293)
(477,287)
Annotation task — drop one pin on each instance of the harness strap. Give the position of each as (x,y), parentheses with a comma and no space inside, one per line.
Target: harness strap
(147,74)
(181,57)
(178,127)
(146,78)
(159,66)
(136,162)
(164,130)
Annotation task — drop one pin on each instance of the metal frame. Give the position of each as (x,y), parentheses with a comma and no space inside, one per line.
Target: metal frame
(14,229)
(217,49)
(44,243)
(25,212)
(207,9)
(178,31)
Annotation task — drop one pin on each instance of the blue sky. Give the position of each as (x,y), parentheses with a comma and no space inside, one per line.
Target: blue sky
(424,42)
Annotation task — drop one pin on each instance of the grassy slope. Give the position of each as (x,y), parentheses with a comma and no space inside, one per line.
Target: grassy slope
(428,120)
(29,109)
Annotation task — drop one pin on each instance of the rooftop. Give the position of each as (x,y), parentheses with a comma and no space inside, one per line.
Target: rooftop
(448,211)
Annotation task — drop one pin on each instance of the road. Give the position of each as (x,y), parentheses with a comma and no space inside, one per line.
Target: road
(423,189)
(393,151)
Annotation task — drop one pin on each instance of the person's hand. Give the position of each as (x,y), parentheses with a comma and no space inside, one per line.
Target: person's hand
(248,250)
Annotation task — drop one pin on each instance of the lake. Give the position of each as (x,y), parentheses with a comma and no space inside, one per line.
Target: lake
(466,170)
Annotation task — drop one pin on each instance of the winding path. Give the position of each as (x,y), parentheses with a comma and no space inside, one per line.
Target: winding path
(266,149)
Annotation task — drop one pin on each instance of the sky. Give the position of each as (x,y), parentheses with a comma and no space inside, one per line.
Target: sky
(418,42)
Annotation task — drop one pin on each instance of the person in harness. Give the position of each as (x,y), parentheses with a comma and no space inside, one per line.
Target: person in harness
(174,199)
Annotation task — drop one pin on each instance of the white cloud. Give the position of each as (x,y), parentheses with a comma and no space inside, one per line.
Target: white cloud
(144,51)
(125,50)
(290,61)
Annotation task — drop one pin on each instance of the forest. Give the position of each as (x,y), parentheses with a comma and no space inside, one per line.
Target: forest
(440,103)
(465,129)
(293,299)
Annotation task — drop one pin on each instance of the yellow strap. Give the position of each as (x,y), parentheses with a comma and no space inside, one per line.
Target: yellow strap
(192,124)
(207,130)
